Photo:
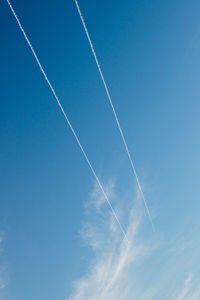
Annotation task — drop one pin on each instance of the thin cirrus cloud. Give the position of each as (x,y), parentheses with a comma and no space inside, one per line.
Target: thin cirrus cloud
(140,269)
(190,291)
(187,287)
(107,277)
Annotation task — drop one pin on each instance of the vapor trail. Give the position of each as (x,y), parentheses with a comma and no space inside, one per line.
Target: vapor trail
(115,115)
(66,118)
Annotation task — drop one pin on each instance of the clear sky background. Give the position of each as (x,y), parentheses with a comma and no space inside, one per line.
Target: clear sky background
(58,239)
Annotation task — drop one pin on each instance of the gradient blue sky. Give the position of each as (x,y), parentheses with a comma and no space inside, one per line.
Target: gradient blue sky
(150,55)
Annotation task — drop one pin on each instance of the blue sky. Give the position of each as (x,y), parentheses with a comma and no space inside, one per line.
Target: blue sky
(58,239)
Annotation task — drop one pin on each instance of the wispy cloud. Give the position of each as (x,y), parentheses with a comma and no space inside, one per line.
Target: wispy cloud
(190,289)
(143,269)
(109,274)
(187,286)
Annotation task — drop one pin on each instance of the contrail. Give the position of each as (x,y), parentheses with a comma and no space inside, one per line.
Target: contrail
(66,118)
(115,114)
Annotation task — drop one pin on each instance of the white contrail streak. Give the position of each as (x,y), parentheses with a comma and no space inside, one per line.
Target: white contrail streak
(66,118)
(115,115)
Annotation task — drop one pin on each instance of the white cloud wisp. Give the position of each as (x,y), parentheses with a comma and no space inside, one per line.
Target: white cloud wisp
(142,269)
(109,273)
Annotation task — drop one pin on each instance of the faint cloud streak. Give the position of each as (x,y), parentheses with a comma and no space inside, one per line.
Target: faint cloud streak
(108,276)
(186,288)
